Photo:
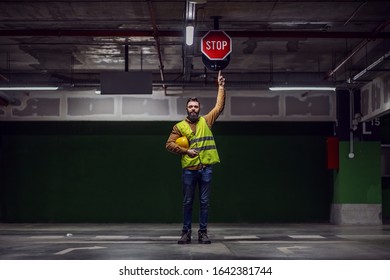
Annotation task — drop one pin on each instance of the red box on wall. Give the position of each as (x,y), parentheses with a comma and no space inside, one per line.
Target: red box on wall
(332,145)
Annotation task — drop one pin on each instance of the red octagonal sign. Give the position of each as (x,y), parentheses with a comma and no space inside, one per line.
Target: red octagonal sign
(216,45)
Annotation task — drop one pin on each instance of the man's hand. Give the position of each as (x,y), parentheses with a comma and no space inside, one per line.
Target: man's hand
(192,153)
(221,79)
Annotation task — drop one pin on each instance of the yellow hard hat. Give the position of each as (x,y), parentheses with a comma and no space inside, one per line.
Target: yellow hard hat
(182,142)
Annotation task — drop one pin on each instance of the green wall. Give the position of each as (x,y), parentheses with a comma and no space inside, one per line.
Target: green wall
(358,180)
(121,172)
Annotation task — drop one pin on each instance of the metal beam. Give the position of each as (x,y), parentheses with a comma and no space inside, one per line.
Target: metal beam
(170,33)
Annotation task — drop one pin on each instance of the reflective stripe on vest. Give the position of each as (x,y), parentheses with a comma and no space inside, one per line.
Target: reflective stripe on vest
(202,140)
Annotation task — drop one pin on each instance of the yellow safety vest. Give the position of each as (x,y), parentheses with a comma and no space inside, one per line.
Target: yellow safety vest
(202,140)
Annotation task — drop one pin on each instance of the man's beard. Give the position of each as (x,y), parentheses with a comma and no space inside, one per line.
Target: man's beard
(192,116)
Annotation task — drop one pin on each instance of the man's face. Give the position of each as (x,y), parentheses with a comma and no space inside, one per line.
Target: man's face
(193,110)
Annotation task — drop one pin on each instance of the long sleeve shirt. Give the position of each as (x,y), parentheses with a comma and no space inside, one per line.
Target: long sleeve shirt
(210,118)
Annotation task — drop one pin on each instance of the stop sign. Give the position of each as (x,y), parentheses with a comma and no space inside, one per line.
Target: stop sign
(216,45)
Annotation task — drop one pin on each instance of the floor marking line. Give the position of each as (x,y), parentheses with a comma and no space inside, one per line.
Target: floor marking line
(290,241)
(306,236)
(169,237)
(47,237)
(111,237)
(241,237)
(96,242)
(63,252)
(288,250)
(215,241)
(363,236)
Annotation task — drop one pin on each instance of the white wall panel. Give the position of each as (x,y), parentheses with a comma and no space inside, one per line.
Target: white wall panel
(248,105)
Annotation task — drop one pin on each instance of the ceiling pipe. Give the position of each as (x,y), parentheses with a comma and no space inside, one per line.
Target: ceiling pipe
(156,35)
(192,8)
(354,13)
(333,71)
(170,33)
(4,78)
(190,19)
(370,67)
(374,35)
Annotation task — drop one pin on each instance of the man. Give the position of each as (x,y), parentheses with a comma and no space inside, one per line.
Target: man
(197,161)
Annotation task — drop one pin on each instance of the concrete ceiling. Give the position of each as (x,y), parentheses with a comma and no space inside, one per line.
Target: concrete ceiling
(69,43)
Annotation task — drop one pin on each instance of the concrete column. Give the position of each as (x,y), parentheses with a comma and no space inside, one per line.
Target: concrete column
(357,196)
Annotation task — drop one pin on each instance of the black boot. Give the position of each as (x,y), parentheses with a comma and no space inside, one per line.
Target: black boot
(185,237)
(202,237)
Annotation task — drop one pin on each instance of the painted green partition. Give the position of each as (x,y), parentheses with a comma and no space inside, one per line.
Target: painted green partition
(358,179)
(121,172)
(98,172)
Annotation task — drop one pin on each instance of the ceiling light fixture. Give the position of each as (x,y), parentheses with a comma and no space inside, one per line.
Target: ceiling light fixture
(189,35)
(290,88)
(191,20)
(29,88)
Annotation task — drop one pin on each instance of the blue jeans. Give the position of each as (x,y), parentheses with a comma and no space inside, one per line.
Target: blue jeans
(190,179)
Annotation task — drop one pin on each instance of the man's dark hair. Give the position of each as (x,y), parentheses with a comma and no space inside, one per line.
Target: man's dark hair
(192,99)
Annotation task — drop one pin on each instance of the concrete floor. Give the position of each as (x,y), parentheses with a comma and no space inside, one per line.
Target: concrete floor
(159,241)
